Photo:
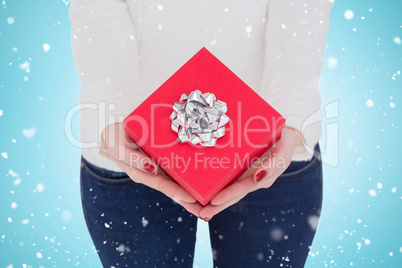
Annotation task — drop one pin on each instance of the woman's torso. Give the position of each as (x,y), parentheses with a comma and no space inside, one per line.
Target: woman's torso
(170,32)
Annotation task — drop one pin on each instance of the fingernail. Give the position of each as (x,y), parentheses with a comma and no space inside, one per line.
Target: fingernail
(260,175)
(149,168)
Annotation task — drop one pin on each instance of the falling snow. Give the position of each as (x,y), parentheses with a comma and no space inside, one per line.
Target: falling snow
(46,47)
(25,66)
(17,181)
(277,234)
(372,193)
(313,221)
(332,62)
(123,248)
(144,222)
(29,133)
(349,14)
(40,187)
(10,20)
(67,215)
(369,103)
(12,173)
(380,186)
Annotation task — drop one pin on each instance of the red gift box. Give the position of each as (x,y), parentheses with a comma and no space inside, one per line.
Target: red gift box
(203,171)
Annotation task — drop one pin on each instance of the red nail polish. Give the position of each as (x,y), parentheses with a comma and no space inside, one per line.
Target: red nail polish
(260,175)
(149,168)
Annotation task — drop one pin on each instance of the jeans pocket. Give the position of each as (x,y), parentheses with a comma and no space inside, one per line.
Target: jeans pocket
(299,169)
(105,178)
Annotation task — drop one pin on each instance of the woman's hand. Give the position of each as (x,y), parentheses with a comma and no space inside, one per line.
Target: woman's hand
(118,146)
(262,174)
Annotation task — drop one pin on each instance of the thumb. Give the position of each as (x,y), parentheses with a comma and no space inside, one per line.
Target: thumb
(279,156)
(274,162)
(121,148)
(136,158)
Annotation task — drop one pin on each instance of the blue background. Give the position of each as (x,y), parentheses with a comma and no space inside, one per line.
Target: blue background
(41,222)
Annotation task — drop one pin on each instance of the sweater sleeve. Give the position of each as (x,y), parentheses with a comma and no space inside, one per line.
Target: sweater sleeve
(105,51)
(295,38)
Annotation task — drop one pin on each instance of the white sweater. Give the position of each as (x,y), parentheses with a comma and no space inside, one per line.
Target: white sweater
(124,50)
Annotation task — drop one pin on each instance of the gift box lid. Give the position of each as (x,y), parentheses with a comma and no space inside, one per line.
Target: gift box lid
(203,171)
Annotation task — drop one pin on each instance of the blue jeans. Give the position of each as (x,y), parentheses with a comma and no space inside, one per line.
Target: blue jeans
(133,225)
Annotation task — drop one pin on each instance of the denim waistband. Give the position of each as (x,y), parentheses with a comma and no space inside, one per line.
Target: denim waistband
(296,165)
(101,171)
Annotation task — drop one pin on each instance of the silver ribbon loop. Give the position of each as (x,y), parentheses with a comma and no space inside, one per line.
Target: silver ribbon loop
(199,118)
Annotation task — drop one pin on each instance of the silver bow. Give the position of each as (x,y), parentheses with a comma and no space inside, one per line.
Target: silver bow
(199,118)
